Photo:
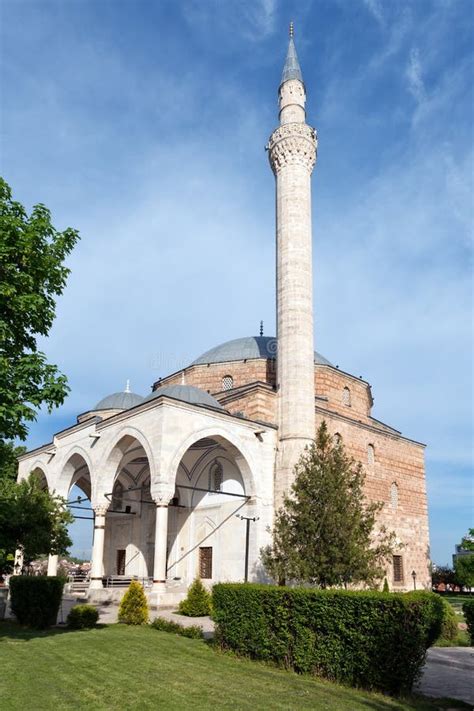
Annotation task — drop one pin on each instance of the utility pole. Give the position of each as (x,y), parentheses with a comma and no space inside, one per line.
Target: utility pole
(247,520)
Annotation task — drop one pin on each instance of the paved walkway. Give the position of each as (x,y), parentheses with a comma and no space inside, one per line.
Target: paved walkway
(449,672)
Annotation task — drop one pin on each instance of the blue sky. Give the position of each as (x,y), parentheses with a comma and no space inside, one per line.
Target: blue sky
(143,124)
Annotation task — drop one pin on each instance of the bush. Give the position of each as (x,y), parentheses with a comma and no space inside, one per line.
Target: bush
(364,639)
(197,602)
(133,609)
(449,625)
(193,632)
(35,600)
(82,617)
(468,609)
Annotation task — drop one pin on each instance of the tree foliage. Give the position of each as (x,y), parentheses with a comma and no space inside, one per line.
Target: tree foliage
(325,533)
(31,519)
(197,602)
(32,274)
(443,575)
(133,608)
(464,570)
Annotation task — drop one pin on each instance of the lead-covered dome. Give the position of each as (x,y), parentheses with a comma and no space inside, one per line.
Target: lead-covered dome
(246,349)
(119,401)
(186,393)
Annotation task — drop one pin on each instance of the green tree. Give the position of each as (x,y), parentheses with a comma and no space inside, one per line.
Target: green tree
(31,519)
(467,543)
(443,574)
(9,454)
(325,533)
(133,608)
(197,602)
(32,274)
(464,570)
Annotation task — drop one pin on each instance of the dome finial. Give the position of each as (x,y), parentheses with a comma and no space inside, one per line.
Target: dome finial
(261,328)
(127,387)
(291,70)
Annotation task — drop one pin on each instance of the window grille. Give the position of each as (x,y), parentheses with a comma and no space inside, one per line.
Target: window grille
(370,454)
(205,562)
(346,396)
(394,496)
(216,477)
(397,569)
(227,382)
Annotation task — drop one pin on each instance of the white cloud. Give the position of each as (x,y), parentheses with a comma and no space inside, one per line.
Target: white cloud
(376,10)
(414,75)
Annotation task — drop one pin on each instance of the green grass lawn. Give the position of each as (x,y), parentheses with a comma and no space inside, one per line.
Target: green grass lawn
(118,667)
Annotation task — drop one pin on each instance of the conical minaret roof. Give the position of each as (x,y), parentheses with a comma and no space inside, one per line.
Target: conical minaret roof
(292,69)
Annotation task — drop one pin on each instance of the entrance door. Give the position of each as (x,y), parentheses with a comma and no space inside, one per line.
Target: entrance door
(205,562)
(121,561)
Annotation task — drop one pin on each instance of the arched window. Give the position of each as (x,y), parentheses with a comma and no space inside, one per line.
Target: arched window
(227,382)
(370,454)
(346,396)
(216,476)
(394,495)
(337,439)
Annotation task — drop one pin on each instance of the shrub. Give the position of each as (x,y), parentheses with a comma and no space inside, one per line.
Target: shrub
(385,588)
(35,600)
(449,625)
(468,609)
(133,609)
(197,602)
(364,639)
(82,617)
(193,632)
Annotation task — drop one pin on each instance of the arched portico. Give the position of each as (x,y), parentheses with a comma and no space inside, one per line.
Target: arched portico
(124,512)
(210,483)
(74,483)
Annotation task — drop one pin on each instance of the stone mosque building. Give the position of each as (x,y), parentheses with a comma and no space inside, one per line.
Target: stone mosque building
(169,474)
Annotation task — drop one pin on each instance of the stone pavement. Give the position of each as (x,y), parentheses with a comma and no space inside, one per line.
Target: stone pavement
(449,672)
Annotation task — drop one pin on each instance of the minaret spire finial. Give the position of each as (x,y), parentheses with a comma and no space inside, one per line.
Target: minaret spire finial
(292,29)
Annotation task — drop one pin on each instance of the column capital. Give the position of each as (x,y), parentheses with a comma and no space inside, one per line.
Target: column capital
(293,144)
(101,509)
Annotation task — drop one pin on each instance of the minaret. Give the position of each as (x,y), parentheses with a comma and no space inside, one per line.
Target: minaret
(292,152)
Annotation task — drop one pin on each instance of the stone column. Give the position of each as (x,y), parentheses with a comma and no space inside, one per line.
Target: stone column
(52,564)
(161,544)
(97,567)
(292,152)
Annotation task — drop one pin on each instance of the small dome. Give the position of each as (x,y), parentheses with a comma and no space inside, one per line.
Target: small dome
(247,348)
(186,393)
(119,401)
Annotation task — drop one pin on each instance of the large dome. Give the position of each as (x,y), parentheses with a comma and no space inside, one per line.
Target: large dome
(119,401)
(246,348)
(186,393)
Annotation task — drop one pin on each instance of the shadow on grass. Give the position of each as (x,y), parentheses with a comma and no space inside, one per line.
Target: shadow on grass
(11,630)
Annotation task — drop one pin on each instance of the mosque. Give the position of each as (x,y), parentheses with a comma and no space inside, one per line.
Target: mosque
(174,476)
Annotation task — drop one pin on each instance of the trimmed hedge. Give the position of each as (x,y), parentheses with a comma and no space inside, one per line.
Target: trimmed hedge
(35,600)
(82,617)
(468,609)
(364,639)
(163,625)
(449,625)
